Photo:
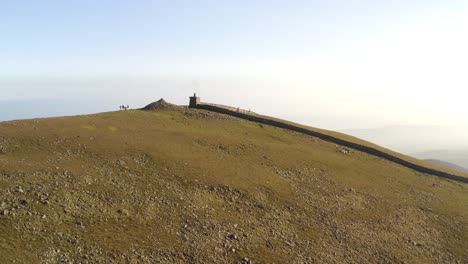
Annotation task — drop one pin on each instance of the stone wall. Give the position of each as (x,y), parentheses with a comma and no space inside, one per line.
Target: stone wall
(366,149)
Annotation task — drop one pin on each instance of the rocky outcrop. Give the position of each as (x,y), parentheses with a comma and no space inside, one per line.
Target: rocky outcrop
(161,104)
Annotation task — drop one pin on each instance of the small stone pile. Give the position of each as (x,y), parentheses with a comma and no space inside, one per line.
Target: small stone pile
(160,105)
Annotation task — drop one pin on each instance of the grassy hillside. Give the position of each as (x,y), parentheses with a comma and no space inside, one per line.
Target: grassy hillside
(359,141)
(192,186)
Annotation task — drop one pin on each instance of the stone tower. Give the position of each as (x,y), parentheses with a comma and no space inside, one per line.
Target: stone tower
(194,100)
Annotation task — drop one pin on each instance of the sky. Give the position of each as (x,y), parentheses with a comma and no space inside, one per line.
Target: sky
(330,64)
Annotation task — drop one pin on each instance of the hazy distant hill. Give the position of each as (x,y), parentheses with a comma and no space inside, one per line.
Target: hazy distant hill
(413,139)
(456,156)
(447,165)
(424,142)
(191,186)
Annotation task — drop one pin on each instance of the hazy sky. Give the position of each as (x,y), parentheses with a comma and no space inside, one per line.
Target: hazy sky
(330,64)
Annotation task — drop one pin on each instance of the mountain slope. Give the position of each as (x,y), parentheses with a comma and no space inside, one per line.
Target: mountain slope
(199,187)
(344,141)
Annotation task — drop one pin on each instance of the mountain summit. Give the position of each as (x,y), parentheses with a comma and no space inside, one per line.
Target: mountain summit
(184,185)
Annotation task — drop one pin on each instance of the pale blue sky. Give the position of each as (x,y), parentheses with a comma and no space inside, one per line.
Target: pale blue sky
(331,64)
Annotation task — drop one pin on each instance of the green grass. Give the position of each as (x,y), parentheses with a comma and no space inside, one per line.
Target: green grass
(89,127)
(112,128)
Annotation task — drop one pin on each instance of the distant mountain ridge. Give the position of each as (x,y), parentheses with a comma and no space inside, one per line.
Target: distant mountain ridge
(449,144)
(415,139)
(447,165)
(458,157)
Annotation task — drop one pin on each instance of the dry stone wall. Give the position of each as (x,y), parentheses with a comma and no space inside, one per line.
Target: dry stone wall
(366,149)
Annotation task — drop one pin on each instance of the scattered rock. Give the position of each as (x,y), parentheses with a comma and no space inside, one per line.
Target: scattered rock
(122,212)
(232,236)
(245,261)
(19,189)
(79,223)
(289,243)
(344,151)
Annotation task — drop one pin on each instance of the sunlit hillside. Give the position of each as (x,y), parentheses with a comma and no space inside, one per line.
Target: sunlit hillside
(178,185)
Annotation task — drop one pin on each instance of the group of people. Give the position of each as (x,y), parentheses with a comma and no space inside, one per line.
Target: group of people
(123,107)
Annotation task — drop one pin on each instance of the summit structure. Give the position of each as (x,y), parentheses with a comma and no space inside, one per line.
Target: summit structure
(194,101)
